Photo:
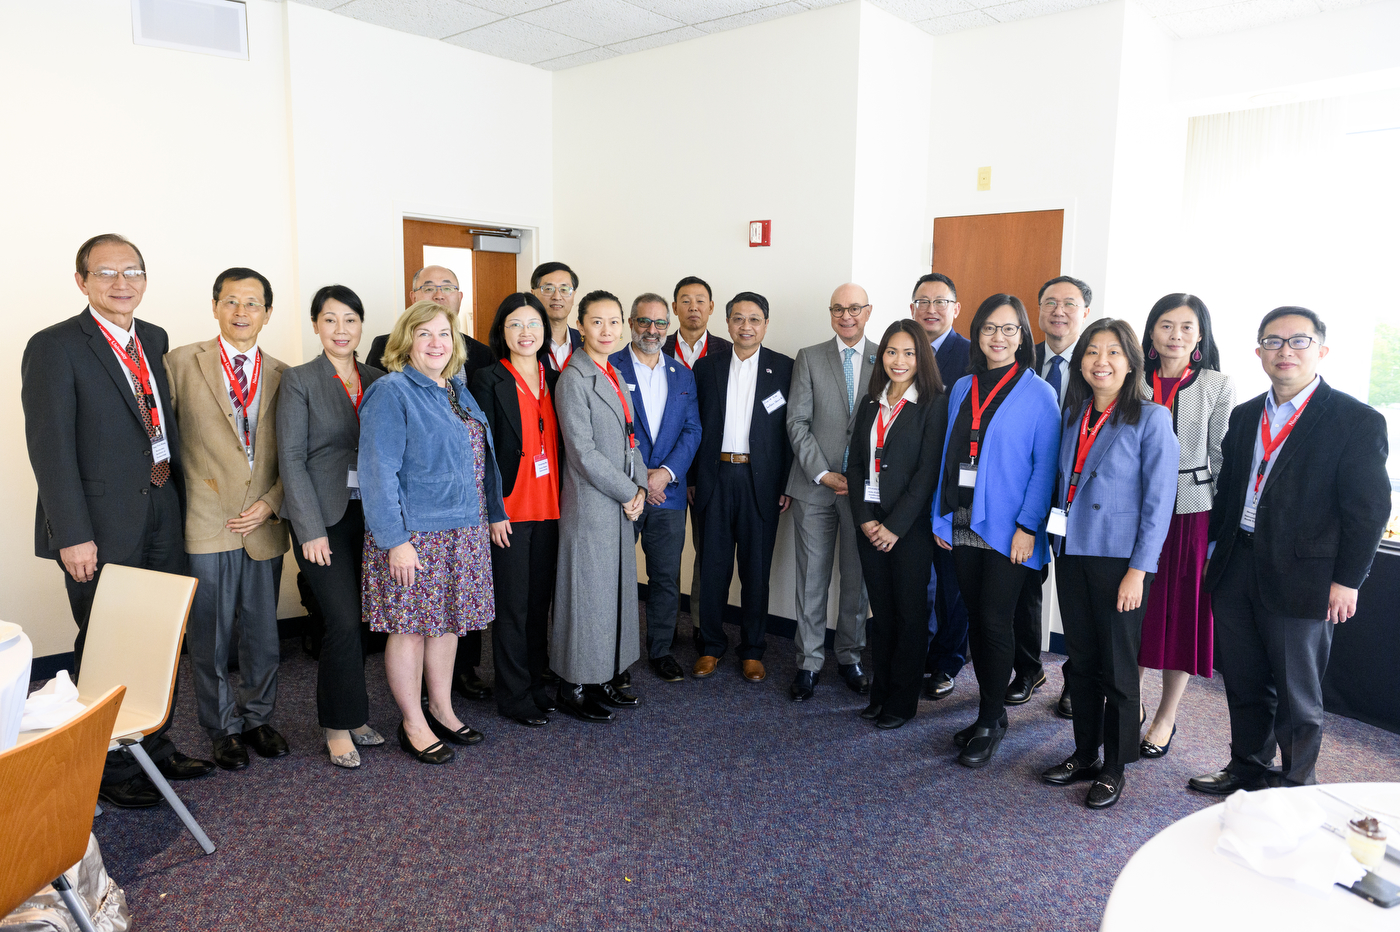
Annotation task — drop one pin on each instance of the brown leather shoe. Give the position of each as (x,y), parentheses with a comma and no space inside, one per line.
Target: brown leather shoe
(754,672)
(704,667)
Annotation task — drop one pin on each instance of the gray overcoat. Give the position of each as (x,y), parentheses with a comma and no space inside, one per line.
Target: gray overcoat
(597,555)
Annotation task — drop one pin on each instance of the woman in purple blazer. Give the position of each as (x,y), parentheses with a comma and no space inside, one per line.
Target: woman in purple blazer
(1113,505)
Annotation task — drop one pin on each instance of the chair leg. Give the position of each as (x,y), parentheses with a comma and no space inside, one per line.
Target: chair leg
(75,905)
(144,760)
(98,812)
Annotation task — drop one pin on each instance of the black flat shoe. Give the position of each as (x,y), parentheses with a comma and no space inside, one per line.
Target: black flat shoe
(436,753)
(1223,783)
(939,686)
(667,669)
(610,695)
(889,722)
(1151,751)
(1064,708)
(982,746)
(544,703)
(132,793)
(1071,771)
(470,686)
(871,712)
(179,767)
(1105,790)
(854,678)
(230,753)
(804,685)
(1023,687)
(462,736)
(573,699)
(961,738)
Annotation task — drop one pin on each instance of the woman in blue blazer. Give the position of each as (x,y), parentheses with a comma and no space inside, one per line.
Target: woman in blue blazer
(998,472)
(1113,505)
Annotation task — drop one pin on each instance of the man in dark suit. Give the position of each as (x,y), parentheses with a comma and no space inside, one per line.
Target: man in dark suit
(556,285)
(1301,502)
(740,469)
(105,450)
(667,417)
(935,306)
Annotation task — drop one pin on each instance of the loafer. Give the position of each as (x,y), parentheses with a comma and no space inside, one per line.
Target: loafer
(704,667)
(368,739)
(754,672)
(961,738)
(667,669)
(1023,687)
(939,686)
(266,741)
(580,705)
(435,753)
(1223,783)
(855,678)
(462,736)
(1105,790)
(1071,771)
(982,746)
(1151,751)
(179,767)
(872,711)
(470,686)
(804,684)
(610,695)
(134,792)
(230,753)
(889,722)
(1063,708)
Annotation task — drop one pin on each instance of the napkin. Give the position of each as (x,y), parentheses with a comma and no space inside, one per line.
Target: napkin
(52,705)
(1278,833)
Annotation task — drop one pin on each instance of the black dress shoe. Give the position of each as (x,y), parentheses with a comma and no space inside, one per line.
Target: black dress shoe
(179,767)
(1151,751)
(470,686)
(961,738)
(544,703)
(622,679)
(889,722)
(982,745)
(1023,687)
(1063,708)
(803,685)
(667,669)
(609,694)
(1105,790)
(1223,783)
(855,678)
(266,741)
(573,699)
(872,711)
(230,752)
(531,721)
(938,686)
(549,676)
(134,792)
(462,736)
(435,753)
(1071,771)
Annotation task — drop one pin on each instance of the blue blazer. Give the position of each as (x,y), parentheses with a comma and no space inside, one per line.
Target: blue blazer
(415,468)
(1016,466)
(679,438)
(954,358)
(1127,492)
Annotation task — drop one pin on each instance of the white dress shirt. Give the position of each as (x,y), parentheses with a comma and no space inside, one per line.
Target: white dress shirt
(738,403)
(689,354)
(1064,368)
(651,385)
(942,338)
(123,337)
(249,358)
(1278,417)
(561,354)
(911,395)
(841,348)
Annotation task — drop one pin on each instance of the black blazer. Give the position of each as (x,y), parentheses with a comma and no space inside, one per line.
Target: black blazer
(909,469)
(479,355)
(1322,510)
(954,359)
(769,447)
(495,390)
(87,444)
(712,343)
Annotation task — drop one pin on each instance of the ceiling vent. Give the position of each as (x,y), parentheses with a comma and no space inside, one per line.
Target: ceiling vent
(212,27)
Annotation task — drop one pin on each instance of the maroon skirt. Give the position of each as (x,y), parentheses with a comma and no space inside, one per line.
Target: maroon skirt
(1178,632)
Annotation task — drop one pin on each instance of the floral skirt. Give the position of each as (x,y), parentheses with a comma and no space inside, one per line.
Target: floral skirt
(451,594)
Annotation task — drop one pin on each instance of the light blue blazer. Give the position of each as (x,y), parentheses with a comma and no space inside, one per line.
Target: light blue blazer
(1016,465)
(1127,492)
(679,438)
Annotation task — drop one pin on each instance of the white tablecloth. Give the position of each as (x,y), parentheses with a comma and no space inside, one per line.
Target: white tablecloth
(1177,881)
(15,660)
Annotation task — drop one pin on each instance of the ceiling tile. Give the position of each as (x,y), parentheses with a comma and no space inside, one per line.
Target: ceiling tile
(698,11)
(579,58)
(323,4)
(1328,5)
(601,22)
(435,19)
(1235,16)
(656,40)
(1025,9)
(917,10)
(818,4)
(511,7)
(956,22)
(753,16)
(518,41)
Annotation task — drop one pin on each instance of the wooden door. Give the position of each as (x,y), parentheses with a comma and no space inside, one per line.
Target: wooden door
(493,273)
(987,254)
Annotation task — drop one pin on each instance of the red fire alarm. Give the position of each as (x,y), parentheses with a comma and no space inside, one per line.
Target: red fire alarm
(759,232)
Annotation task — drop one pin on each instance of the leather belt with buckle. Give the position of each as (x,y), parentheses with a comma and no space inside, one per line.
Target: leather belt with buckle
(733,457)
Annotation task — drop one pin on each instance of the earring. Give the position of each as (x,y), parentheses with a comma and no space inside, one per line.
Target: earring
(1197,355)
(1152,352)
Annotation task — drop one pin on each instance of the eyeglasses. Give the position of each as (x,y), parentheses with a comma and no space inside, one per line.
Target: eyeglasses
(852,311)
(552,290)
(1297,343)
(515,326)
(232,304)
(923,304)
(437,289)
(1050,304)
(646,323)
(110,275)
(1009,329)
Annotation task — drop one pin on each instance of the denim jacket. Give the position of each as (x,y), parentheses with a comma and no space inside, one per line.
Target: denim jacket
(415,465)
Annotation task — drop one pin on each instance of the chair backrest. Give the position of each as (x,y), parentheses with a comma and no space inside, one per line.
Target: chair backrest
(133,639)
(48,793)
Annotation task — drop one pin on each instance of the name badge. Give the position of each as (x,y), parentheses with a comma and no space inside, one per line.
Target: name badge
(541,465)
(773,402)
(631,387)
(872,491)
(1250,516)
(352,478)
(967,475)
(1058,523)
(160,449)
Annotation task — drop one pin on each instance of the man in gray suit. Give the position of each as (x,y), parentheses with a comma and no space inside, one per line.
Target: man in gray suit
(827,379)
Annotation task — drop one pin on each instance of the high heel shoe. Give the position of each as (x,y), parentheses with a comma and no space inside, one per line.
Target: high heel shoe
(368,739)
(462,736)
(437,753)
(1151,751)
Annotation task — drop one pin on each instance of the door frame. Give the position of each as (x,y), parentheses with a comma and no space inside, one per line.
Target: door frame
(529,236)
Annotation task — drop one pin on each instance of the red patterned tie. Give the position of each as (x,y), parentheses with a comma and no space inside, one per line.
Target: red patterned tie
(160,472)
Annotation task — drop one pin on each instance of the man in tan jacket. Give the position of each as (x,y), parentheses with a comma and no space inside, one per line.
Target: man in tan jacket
(224,394)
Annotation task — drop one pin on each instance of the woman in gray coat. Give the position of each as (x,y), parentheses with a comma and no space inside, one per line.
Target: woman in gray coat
(602,491)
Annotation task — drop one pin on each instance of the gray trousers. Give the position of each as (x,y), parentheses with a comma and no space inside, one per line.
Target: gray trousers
(662,532)
(822,534)
(234,587)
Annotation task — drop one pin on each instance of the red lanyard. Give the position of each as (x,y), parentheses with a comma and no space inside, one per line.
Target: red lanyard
(140,373)
(1272,444)
(626,412)
(978,408)
(881,426)
(538,402)
(1086,443)
(1171,396)
(245,400)
(356,398)
(698,356)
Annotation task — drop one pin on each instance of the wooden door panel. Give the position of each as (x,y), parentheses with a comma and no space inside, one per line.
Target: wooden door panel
(493,280)
(987,254)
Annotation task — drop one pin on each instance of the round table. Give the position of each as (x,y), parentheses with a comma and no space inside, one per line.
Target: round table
(16,656)
(1177,881)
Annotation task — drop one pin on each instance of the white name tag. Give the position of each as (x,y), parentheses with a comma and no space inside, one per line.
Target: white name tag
(160,449)
(1058,523)
(631,387)
(352,478)
(872,491)
(541,466)
(1250,516)
(967,476)
(773,402)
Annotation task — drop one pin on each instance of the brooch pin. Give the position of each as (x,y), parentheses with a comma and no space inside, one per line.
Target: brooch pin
(769,371)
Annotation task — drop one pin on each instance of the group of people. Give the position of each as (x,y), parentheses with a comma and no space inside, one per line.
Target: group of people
(444,485)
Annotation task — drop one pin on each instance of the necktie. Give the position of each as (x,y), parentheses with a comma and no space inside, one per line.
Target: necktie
(848,367)
(238,363)
(1054,377)
(160,472)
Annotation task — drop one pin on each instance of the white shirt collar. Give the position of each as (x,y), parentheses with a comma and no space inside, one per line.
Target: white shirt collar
(637,360)
(841,346)
(122,337)
(699,344)
(750,363)
(911,395)
(234,351)
(1296,402)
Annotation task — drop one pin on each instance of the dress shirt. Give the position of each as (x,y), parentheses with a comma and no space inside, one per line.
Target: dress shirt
(1064,368)
(738,402)
(123,337)
(911,395)
(841,350)
(1278,417)
(689,354)
(651,383)
(938,343)
(561,353)
(248,359)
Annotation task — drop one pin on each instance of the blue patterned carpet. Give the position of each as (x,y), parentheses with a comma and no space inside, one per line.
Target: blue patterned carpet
(716,805)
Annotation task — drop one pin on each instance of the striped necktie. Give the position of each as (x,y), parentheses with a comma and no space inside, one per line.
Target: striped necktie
(160,472)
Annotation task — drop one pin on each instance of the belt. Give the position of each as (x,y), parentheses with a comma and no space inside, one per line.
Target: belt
(1245,537)
(737,458)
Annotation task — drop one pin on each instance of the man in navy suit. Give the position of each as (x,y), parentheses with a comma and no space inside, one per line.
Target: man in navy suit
(740,470)
(555,284)
(935,306)
(667,417)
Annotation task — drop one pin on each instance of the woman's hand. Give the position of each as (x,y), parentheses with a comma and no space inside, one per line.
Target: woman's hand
(942,543)
(317,551)
(868,529)
(403,562)
(884,539)
(500,533)
(1021,546)
(633,509)
(1130,590)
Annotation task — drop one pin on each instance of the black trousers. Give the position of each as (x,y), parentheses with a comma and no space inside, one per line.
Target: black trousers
(662,533)
(733,523)
(162,548)
(1026,624)
(468,653)
(947,617)
(523,576)
(899,617)
(1273,667)
(990,585)
(341,699)
(1102,643)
